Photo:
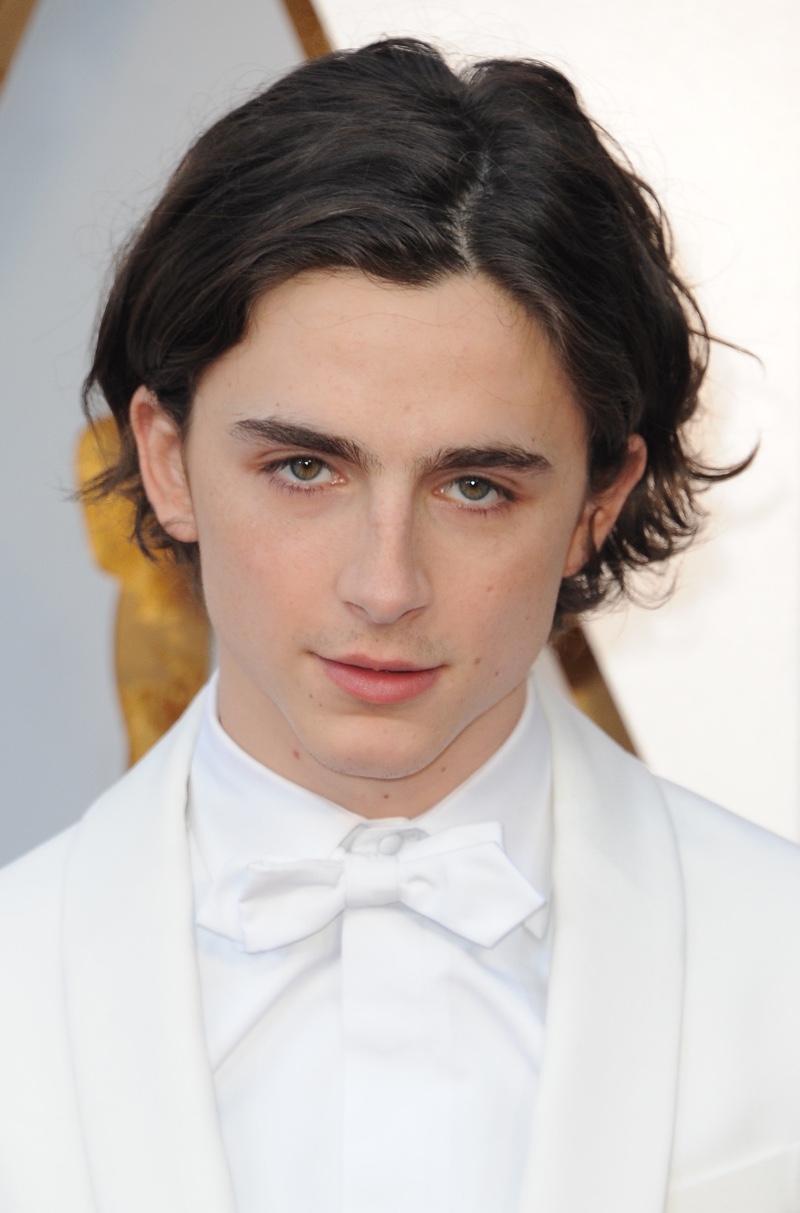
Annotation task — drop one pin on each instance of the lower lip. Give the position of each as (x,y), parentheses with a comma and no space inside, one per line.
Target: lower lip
(380,686)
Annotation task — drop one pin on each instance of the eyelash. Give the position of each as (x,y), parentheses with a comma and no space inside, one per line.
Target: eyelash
(506,496)
(298,486)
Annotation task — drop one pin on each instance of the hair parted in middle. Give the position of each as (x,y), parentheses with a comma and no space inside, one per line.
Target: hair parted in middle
(386,161)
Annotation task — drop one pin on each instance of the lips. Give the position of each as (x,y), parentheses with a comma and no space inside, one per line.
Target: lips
(385,682)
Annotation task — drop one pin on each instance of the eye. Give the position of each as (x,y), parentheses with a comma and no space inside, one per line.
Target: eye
(304,468)
(472,489)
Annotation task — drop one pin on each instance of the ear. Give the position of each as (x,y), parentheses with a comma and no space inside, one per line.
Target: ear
(161,464)
(601,510)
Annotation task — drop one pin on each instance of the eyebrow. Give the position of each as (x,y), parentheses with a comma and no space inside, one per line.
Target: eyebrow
(449,459)
(286,433)
(516,458)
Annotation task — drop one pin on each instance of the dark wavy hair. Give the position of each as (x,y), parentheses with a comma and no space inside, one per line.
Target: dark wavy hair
(385,160)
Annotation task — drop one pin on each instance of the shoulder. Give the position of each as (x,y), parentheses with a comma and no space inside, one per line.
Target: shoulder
(31,887)
(739,1089)
(31,898)
(739,1075)
(705,821)
(134,797)
(742,898)
(725,856)
(741,882)
(710,839)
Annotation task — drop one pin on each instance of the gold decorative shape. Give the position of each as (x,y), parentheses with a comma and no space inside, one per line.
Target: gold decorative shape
(589,689)
(308,27)
(14,17)
(163,636)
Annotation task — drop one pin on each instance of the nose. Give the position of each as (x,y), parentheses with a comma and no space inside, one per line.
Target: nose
(384,578)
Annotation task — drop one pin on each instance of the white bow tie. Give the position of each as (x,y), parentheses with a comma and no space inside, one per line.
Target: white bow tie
(460,878)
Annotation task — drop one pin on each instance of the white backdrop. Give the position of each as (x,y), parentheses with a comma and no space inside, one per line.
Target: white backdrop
(704,95)
(101,99)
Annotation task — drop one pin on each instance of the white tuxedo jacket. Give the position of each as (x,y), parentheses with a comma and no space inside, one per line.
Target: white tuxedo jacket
(671,1075)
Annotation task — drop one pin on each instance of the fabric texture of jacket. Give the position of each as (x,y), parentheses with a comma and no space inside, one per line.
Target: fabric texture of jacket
(671,1073)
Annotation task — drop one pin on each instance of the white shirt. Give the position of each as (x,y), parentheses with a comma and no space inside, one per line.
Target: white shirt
(383,1064)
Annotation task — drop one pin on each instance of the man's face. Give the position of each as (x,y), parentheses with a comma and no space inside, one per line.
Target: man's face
(387,485)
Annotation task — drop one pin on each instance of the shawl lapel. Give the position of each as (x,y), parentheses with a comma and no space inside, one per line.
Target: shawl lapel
(603,1127)
(144,1084)
(602,1133)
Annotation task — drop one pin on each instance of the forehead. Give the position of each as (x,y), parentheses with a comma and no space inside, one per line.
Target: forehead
(457,361)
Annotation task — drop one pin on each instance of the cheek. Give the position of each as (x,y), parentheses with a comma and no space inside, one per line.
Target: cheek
(511,606)
(261,571)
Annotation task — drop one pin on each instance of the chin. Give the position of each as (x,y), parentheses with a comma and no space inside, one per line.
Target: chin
(388,756)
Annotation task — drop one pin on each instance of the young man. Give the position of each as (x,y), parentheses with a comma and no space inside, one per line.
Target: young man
(400,362)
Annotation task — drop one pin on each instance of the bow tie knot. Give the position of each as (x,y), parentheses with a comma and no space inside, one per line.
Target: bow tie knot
(460,878)
(371,880)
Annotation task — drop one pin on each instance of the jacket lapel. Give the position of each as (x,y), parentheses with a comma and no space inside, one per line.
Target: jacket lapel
(602,1133)
(145,1087)
(603,1127)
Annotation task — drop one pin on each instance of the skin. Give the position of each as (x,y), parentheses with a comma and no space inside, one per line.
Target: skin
(382,544)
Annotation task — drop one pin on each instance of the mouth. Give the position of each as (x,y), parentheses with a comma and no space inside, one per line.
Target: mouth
(380,681)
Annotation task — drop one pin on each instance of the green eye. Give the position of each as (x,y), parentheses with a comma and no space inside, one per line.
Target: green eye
(473,488)
(306,468)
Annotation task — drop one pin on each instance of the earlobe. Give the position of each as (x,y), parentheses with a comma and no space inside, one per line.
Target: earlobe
(162,467)
(601,510)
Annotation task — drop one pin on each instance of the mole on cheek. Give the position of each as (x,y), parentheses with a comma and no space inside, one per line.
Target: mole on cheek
(296,753)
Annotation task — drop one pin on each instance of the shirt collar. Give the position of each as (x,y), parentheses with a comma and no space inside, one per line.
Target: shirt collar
(242,810)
